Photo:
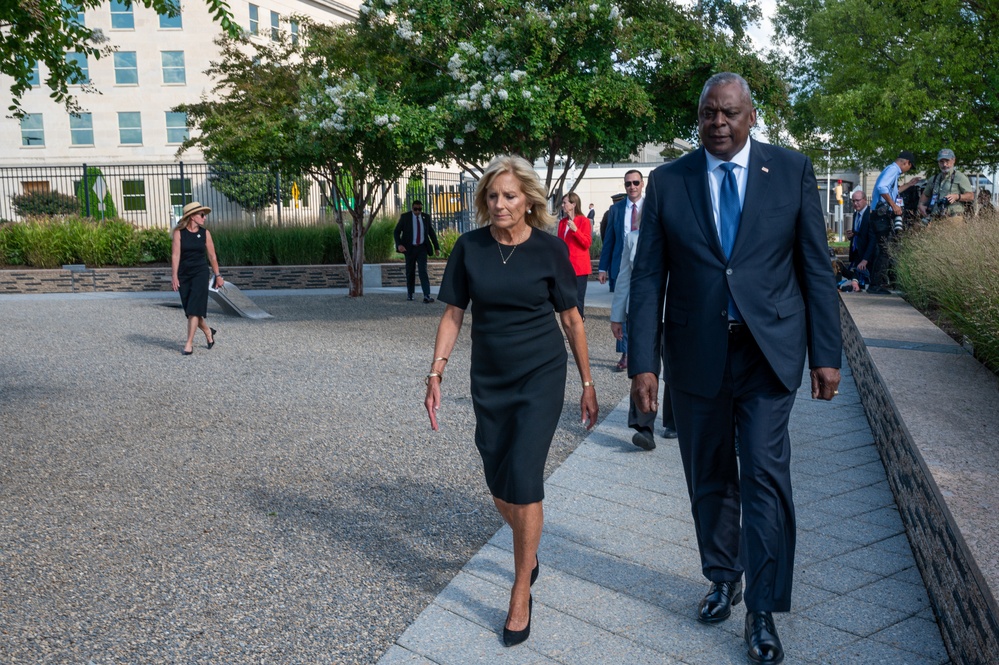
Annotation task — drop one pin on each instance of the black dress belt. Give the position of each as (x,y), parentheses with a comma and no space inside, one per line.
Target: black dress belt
(737,328)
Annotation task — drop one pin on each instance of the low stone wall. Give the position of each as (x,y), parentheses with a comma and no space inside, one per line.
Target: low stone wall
(92,280)
(960,594)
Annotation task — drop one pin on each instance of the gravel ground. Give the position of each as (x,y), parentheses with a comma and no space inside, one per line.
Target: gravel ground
(277,499)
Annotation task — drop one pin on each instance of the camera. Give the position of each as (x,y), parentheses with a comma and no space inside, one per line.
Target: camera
(897,224)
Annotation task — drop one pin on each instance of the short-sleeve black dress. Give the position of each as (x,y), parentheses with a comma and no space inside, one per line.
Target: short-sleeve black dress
(518,366)
(193,272)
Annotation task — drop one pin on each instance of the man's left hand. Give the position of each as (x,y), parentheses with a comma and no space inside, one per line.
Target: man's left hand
(825,382)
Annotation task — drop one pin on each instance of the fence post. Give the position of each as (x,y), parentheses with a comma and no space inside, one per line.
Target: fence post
(277,180)
(86,191)
(183,187)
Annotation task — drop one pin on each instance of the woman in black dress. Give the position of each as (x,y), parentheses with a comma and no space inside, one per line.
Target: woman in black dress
(192,245)
(516,276)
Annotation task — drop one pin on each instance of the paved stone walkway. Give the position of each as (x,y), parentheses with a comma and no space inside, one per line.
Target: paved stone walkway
(620,576)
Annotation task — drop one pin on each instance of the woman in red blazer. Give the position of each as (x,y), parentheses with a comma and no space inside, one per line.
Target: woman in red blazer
(575,229)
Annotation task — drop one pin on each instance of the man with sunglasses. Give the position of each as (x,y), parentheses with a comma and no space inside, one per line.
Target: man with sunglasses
(415,238)
(622,218)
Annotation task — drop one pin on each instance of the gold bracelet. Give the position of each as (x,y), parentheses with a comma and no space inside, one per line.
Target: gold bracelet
(432,374)
(588,384)
(436,359)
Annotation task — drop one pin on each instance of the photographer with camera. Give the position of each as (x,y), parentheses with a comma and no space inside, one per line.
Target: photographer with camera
(886,217)
(946,192)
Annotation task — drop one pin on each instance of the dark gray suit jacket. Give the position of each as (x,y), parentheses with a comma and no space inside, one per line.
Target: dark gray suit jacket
(779,274)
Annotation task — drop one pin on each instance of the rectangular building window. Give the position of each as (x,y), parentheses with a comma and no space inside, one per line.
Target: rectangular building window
(32,131)
(35,79)
(76,11)
(254,20)
(121,16)
(80,60)
(173,67)
(176,126)
(81,129)
(133,195)
(126,71)
(294,33)
(275,25)
(180,194)
(130,127)
(168,22)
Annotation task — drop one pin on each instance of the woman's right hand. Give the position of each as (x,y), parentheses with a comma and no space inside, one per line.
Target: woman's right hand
(175,283)
(433,401)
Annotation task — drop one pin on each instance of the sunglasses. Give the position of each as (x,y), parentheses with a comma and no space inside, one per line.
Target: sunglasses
(632,183)
(417,208)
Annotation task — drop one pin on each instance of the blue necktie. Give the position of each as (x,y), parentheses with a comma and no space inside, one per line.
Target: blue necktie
(729,212)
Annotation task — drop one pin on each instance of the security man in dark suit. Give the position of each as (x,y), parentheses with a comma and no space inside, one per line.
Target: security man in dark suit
(732,277)
(415,238)
(863,241)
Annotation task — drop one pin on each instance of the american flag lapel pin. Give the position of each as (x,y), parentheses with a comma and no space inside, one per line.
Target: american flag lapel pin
(766,170)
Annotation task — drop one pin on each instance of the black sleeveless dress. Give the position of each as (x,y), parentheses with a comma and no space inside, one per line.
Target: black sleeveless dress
(518,367)
(193,272)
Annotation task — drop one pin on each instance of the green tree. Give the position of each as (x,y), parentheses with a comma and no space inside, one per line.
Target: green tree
(44,31)
(567,82)
(337,114)
(871,77)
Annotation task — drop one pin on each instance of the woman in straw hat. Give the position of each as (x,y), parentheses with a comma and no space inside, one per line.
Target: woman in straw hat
(192,243)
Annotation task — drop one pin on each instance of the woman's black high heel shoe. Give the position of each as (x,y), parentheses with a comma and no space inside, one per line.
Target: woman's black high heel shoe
(536,571)
(212,343)
(514,637)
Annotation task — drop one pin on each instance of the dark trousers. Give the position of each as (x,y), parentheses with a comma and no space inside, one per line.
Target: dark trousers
(879,273)
(638,420)
(416,255)
(581,281)
(755,481)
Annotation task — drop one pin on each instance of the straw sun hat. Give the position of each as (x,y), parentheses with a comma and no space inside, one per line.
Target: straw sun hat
(192,208)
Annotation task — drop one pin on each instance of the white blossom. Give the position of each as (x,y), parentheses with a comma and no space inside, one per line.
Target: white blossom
(517,74)
(458,140)
(440,144)
(526,94)
(614,12)
(594,7)
(380,14)
(502,94)
(394,118)
(381,120)
(469,127)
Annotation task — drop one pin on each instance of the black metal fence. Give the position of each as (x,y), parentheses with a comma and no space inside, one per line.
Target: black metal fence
(153,195)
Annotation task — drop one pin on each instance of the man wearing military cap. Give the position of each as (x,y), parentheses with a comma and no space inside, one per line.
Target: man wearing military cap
(946,192)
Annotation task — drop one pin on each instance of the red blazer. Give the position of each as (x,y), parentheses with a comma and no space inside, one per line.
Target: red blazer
(579,242)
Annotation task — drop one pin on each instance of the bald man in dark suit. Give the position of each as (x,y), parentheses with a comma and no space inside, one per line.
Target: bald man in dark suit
(732,277)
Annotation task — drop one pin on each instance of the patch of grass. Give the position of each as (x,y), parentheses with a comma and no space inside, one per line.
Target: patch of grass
(956,271)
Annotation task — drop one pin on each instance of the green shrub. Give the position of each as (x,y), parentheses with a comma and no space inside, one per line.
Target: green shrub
(155,245)
(596,246)
(379,242)
(332,247)
(46,245)
(12,240)
(447,238)
(82,196)
(43,204)
(957,271)
(252,246)
(298,245)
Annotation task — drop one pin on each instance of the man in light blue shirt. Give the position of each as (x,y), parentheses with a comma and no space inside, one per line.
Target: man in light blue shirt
(885,206)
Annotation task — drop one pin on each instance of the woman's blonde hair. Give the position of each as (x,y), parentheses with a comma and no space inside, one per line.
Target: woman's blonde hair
(537,203)
(577,203)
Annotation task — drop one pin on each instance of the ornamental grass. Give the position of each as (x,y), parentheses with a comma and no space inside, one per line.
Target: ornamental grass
(955,271)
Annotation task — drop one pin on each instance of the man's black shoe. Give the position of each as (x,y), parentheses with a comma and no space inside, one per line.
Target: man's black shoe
(716,606)
(409,297)
(669,432)
(427,300)
(644,439)
(879,291)
(762,640)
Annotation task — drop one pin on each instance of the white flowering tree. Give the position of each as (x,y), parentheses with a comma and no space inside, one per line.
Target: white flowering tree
(329,106)
(567,82)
